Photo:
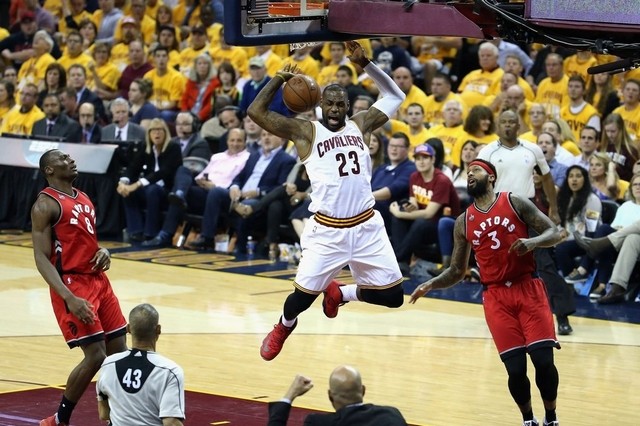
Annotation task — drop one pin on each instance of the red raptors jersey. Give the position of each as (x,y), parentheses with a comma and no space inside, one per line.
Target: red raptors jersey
(74,234)
(490,234)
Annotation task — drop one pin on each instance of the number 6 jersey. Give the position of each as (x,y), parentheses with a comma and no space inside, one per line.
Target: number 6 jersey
(339,168)
(490,234)
(74,233)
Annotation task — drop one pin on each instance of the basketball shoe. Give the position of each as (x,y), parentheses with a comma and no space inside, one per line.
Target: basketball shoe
(51,421)
(272,344)
(553,423)
(332,299)
(533,422)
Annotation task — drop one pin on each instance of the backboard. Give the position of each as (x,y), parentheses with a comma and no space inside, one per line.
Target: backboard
(261,22)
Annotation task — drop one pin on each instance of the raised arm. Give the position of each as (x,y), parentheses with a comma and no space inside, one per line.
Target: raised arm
(300,131)
(44,212)
(459,260)
(390,99)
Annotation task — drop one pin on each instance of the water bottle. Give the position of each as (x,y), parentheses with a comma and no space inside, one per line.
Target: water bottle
(251,246)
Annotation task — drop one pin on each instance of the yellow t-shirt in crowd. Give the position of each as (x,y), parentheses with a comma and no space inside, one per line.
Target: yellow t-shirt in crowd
(456,152)
(415,96)
(450,137)
(478,84)
(631,120)
(187,56)
(328,74)
(166,88)
(433,108)
(415,139)
(553,96)
(20,123)
(33,70)
(62,23)
(573,66)
(577,121)
(109,74)
(307,65)
(236,56)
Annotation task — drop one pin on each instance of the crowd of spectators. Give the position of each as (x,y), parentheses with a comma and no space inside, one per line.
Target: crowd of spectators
(160,72)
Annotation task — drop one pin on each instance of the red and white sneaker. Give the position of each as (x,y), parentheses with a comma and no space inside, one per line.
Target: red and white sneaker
(51,421)
(332,299)
(272,344)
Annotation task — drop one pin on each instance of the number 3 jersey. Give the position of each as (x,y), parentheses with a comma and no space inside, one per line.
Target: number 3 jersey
(490,234)
(339,168)
(74,234)
(142,387)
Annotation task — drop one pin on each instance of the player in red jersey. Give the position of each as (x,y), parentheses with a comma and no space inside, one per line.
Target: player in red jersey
(68,257)
(515,301)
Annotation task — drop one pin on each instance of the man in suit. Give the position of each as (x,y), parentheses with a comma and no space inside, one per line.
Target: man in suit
(91,132)
(56,124)
(121,129)
(187,131)
(78,79)
(346,393)
(264,171)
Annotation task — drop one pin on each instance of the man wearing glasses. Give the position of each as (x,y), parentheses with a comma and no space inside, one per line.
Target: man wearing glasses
(390,182)
(19,121)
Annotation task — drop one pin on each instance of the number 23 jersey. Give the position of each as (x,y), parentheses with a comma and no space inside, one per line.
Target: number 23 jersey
(490,234)
(339,168)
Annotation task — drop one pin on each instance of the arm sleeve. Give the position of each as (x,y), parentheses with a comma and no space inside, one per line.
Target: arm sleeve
(391,97)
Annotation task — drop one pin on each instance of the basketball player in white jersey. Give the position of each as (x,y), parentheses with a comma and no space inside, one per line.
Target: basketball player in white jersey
(345,230)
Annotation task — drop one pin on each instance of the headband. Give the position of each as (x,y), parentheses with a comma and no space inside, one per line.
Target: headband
(485,166)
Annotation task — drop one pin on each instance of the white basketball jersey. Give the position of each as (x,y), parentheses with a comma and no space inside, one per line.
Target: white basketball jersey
(339,168)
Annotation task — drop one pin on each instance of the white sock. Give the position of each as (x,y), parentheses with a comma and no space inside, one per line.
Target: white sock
(349,292)
(288,323)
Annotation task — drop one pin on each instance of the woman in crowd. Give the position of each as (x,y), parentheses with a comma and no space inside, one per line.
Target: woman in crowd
(438,146)
(228,78)
(198,92)
(141,109)
(7,97)
(579,209)
(89,32)
(55,80)
(376,150)
(148,182)
(602,95)
(619,146)
(105,74)
(459,178)
(603,176)
(480,126)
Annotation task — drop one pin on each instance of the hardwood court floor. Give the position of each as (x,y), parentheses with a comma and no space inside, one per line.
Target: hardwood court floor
(435,360)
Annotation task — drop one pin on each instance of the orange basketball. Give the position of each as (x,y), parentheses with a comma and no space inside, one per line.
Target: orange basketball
(301,93)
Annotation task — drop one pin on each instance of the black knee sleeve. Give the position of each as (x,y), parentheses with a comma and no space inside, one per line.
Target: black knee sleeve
(547,378)
(519,385)
(297,302)
(392,297)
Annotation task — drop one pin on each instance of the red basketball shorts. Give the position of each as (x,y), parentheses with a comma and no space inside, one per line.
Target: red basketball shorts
(519,316)
(96,289)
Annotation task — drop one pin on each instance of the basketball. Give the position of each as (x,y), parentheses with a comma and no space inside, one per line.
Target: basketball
(301,93)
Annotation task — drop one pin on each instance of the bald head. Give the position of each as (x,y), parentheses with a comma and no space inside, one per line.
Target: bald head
(345,387)
(143,323)
(515,96)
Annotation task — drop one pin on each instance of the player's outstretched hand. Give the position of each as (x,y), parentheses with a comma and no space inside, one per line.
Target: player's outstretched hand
(299,386)
(356,53)
(521,246)
(420,291)
(101,260)
(82,309)
(288,71)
